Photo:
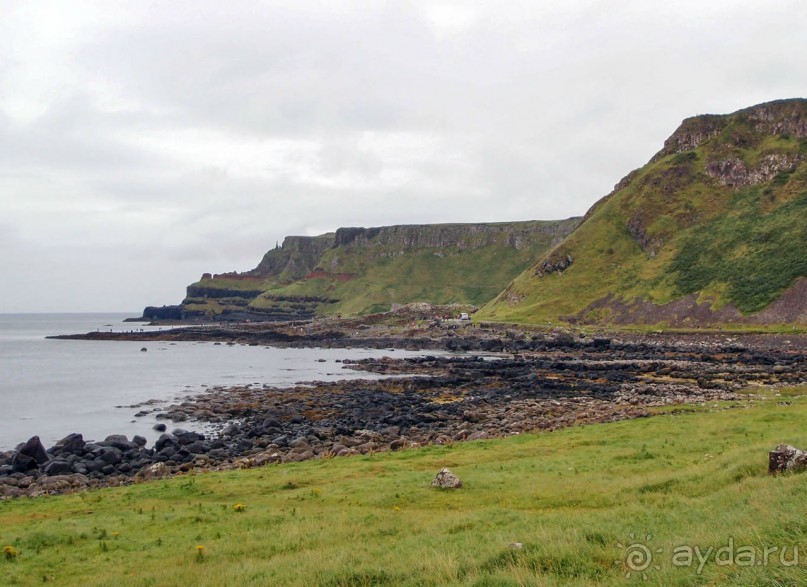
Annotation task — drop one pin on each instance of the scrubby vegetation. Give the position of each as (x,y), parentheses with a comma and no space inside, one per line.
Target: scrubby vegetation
(757,255)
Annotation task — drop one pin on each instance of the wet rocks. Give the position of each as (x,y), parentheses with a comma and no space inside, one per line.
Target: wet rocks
(545,381)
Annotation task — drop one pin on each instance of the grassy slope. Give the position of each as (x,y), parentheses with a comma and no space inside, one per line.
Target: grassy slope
(571,497)
(740,246)
(383,276)
(458,276)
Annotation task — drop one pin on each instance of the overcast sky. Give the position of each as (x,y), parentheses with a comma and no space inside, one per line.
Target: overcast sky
(143,143)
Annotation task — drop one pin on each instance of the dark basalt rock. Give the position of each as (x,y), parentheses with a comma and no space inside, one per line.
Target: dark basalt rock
(553,381)
(118,441)
(70,444)
(58,467)
(23,463)
(34,449)
(165,440)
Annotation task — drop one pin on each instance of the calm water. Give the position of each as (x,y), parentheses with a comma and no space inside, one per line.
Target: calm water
(55,387)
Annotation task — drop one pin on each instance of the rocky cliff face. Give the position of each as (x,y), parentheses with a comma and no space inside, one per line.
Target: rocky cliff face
(404,238)
(295,258)
(778,118)
(368,269)
(709,232)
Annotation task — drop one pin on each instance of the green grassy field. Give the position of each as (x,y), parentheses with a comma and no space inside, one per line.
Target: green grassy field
(456,276)
(578,501)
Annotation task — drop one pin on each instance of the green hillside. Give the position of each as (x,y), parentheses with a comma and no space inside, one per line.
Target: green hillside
(712,231)
(363,270)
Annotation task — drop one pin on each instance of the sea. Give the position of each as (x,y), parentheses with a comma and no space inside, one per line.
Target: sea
(52,388)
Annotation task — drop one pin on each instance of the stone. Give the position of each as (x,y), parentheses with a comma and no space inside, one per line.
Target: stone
(786,458)
(337,448)
(196,448)
(22,463)
(159,427)
(445,479)
(71,444)
(299,442)
(281,440)
(266,458)
(111,456)
(165,440)
(34,449)
(397,444)
(155,471)
(58,467)
(272,423)
(184,437)
(118,441)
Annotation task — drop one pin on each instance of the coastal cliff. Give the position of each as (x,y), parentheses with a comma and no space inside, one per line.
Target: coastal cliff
(711,232)
(358,270)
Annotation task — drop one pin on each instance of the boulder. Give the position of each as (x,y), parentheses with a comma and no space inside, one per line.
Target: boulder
(61,483)
(267,457)
(110,456)
(34,449)
(118,441)
(71,444)
(155,471)
(186,437)
(196,448)
(300,442)
(445,479)
(272,423)
(22,463)
(58,467)
(397,444)
(165,440)
(786,458)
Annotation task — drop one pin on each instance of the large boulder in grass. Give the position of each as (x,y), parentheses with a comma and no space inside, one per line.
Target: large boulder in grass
(445,479)
(153,472)
(786,458)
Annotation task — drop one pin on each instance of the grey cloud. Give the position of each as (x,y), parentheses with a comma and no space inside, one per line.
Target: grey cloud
(190,136)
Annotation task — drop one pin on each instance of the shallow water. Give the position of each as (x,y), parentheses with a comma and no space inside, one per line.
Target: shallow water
(54,387)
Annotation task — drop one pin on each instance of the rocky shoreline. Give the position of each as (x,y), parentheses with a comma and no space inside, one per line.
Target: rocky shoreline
(546,381)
